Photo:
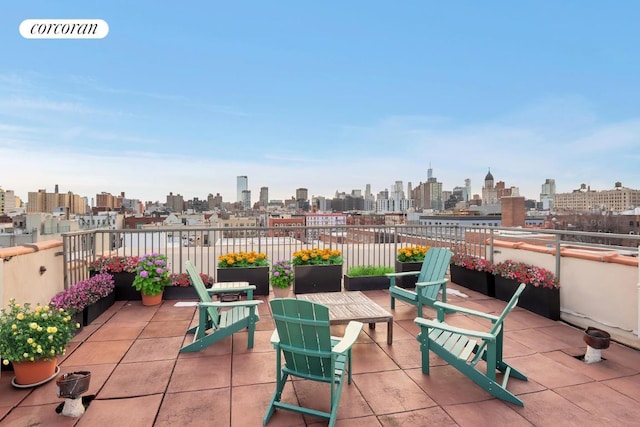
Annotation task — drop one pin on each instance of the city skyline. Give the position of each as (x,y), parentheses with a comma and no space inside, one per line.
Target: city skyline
(327,97)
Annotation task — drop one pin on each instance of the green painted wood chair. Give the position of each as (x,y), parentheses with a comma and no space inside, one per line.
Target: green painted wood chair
(464,348)
(303,337)
(218,320)
(431,280)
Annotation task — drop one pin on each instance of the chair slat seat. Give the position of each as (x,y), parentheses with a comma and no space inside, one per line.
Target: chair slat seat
(457,345)
(430,282)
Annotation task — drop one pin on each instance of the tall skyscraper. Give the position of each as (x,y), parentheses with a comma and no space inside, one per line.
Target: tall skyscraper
(467,186)
(242,185)
(264,196)
(547,192)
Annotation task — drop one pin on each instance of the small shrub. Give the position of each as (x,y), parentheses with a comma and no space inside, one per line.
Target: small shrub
(369,270)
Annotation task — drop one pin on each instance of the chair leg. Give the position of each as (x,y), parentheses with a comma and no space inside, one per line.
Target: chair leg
(277,396)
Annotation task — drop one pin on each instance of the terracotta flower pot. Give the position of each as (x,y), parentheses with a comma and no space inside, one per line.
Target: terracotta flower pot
(32,373)
(151,299)
(281,292)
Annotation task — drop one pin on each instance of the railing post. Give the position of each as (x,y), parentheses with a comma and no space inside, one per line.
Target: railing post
(491,245)
(638,286)
(558,256)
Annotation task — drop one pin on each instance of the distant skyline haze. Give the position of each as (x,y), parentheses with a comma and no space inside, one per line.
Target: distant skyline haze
(327,96)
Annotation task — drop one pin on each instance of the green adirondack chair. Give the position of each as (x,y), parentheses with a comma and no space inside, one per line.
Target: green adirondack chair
(303,337)
(457,346)
(431,279)
(218,320)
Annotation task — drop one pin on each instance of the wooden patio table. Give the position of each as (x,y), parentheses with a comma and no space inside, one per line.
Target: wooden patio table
(352,305)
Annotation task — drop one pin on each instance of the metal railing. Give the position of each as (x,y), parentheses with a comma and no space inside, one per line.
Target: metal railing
(360,245)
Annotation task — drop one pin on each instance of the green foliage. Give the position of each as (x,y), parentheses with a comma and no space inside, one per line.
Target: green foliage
(152,274)
(369,270)
(34,334)
(281,274)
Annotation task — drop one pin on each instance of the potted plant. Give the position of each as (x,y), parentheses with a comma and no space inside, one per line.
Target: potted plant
(409,258)
(181,287)
(542,294)
(152,278)
(123,270)
(88,298)
(317,270)
(367,278)
(281,278)
(471,271)
(252,267)
(32,339)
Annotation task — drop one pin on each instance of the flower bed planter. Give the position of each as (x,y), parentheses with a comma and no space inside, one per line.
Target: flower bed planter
(317,278)
(93,311)
(365,283)
(539,300)
(407,282)
(479,281)
(258,276)
(180,293)
(124,289)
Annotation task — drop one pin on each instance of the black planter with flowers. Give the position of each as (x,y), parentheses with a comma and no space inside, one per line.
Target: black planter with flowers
(403,267)
(258,276)
(123,270)
(93,311)
(252,267)
(317,278)
(539,300)
(542,294)
(479,281)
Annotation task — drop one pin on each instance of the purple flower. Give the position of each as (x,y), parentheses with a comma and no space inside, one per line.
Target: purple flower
(159,270)
(144,273)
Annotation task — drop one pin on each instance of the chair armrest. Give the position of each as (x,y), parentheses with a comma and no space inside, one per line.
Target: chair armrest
(457,309)
(433,282)
(217,289)
(275,338)
(404,273)
(351,333)
(216,304)
(426,323)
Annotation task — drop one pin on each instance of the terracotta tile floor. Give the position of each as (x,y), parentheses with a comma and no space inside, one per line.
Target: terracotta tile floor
(140,379)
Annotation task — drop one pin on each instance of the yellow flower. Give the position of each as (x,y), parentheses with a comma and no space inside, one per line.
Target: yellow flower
(20,316)
(5,362)
(14,326)
(46,308)
(25,355)
(38,309)
(33,325)
(52,329)
(30,340)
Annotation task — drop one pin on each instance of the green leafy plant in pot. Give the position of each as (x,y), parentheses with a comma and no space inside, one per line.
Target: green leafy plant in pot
(152,276)
(281,278)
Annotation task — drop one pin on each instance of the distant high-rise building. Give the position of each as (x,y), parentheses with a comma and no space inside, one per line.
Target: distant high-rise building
(547,192)
(246,199)
(7,200)
(214,201)
(489,192)
(70,203)
(242,183)
(467,193)
(302,199)
(175,202)
(264,196)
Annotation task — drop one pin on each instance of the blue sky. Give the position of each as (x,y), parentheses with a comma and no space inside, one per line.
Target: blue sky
(183,97)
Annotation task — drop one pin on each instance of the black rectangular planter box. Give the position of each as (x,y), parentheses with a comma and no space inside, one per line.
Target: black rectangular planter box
(366,283)
(258,276)
(124,286)
(93,311)
(410,281)
(479,281)
(539,300)
(317,278)
(179,293)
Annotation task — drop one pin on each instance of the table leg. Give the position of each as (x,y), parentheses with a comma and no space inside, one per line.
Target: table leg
(372,325)
(390,332)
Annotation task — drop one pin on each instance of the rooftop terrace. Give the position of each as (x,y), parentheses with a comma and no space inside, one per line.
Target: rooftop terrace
(140,379)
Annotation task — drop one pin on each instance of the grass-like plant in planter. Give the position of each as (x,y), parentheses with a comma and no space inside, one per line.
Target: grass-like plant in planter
(367,277)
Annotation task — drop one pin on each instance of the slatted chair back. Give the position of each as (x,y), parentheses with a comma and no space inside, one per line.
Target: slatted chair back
(305,337)
(201,289)
(434,267)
